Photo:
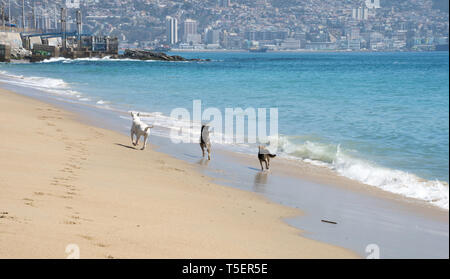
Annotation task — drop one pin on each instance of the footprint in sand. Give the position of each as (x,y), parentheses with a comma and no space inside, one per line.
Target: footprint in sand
(102,245)
(90,238)
(67,170)
(29,202)
(87,237)
(73,166)
(6,216)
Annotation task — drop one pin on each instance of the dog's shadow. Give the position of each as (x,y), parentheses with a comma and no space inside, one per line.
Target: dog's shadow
(254,169)
(126,146)
(260,181)
(203,162)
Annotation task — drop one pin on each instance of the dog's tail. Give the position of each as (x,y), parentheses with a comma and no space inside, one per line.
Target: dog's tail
(148,128)
(272,155)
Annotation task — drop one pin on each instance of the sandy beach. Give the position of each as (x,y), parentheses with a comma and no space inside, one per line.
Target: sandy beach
(64,182)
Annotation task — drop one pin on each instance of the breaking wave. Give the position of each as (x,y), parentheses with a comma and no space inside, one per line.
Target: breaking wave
(345,163)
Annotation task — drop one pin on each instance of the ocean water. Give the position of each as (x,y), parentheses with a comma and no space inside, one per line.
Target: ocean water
(379,118)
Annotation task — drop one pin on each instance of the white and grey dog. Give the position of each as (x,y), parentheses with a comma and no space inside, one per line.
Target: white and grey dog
(139,129)
(205,142)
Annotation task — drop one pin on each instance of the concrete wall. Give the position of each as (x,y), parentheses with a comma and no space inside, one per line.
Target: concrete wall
(54,41)
(11,38)
(35,40)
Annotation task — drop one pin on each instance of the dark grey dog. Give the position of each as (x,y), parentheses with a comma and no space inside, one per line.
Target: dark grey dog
(264,156)
(205,142)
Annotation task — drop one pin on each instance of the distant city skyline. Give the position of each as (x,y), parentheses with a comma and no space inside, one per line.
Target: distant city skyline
(243,24)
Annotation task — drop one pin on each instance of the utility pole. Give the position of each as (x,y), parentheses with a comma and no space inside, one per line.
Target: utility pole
(23,15)
(9,15)
(34,16)
(63,27)
(55,17)
(3,17)
(79,27)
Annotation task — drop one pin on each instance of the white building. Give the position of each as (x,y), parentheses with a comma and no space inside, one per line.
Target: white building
(171,30)
(360,13)
(354,33)
(212,36)
(73,4)
(190,33)
(373,4)
(224,3)
(291,43)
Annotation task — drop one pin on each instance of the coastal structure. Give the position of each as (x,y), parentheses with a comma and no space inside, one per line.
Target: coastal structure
(37,46)
(79,45)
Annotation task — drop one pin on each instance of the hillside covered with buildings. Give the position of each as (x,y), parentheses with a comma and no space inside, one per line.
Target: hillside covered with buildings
(377,25)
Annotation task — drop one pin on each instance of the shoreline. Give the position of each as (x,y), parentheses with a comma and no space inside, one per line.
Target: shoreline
(308,222)
(133,207)
(325,169)
(175,50)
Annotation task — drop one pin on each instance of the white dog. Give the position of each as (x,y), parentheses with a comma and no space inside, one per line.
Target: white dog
(139,129)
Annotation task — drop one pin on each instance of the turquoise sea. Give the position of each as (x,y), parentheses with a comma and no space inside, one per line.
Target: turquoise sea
(379,118)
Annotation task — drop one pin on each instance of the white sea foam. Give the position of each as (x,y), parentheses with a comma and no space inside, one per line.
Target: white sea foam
(92,59)
(97,59)
(346,164)
(53,86)
(54,60)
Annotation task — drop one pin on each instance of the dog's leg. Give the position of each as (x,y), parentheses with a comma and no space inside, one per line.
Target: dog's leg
(268,162)
(145,142)
(208,148)
(137,139)
(267,166)
(262,168)
(132,138)
(203,149)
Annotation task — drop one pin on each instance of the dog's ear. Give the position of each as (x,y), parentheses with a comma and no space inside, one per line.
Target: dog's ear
(132,114)
(138,114)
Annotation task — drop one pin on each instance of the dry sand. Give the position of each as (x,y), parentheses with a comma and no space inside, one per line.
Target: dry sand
(64,182)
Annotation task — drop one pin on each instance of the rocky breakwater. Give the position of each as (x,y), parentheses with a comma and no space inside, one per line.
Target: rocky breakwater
(150,55)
